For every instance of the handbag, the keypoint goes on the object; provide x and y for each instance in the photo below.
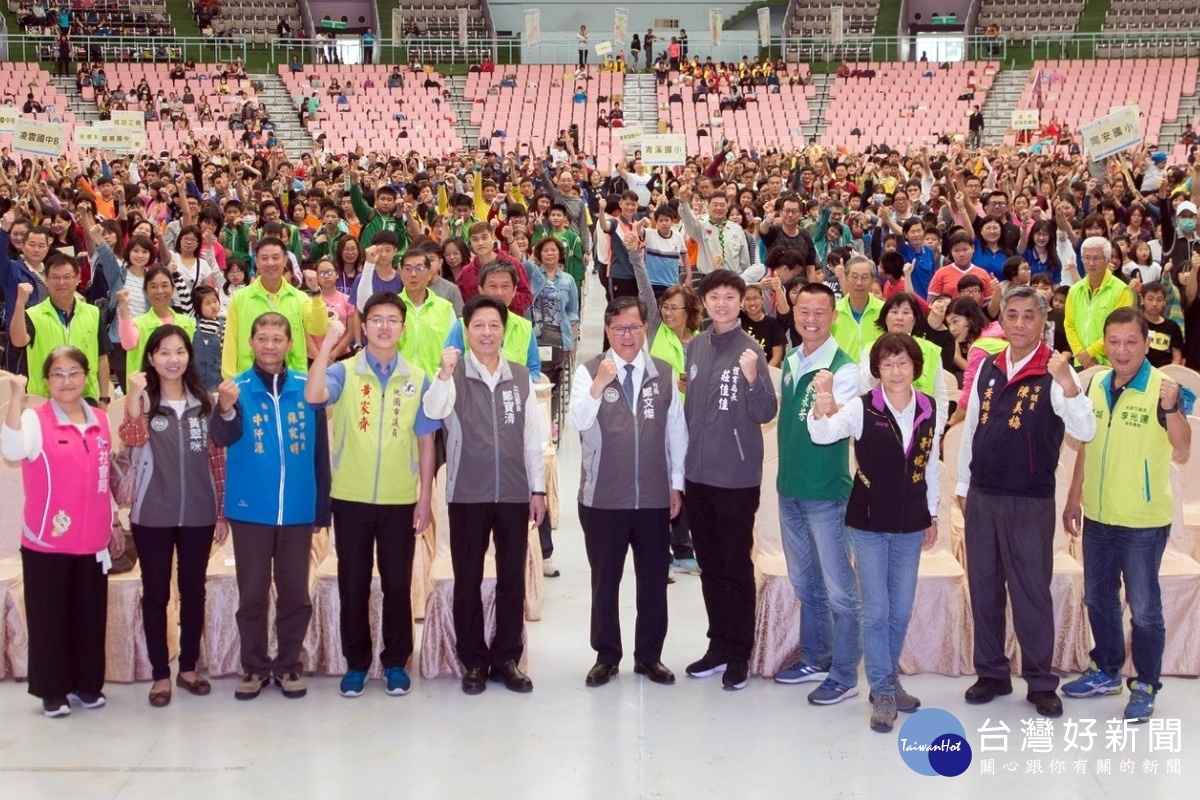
(121, 477)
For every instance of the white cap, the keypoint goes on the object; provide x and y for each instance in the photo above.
(1186, 205)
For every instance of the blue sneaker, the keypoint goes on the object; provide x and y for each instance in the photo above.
(354, 683)
(1092, 682)
(1141, 702)
(397, 681)
(800, 672)
(831, 692)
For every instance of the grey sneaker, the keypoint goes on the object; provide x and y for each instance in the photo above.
(292, 684)
(883, 713)
(831, 692)
(250, 686)
(904, 701)
(800, 672)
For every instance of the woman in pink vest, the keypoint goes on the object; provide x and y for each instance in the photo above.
(68, 537)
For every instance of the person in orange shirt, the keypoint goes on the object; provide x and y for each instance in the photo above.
(103, 195)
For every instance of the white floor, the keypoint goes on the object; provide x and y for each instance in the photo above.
(630, 739)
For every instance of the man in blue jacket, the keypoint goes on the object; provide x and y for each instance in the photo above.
(277, 494)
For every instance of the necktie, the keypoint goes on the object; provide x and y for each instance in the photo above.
(627, 384)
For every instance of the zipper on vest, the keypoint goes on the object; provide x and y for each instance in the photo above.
(737, 438)
(1104, 463)
(182, 484)
(282, 450)
(637, 455)
(379, 441)
(496, 445)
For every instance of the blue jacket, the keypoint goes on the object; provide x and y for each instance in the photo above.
(282, 476)
(12, 273)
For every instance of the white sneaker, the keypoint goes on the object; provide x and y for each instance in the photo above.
(549, 569)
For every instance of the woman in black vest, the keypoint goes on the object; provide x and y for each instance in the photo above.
(892, 510)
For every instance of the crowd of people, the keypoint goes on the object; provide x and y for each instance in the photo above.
(240, 299)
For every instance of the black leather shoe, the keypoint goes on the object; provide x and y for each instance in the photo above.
(514, 680)
(599, 674)
(474, 681)
(985, 690)
(1048, 703)
(656, 671)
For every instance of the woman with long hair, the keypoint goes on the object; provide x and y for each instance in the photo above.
(455, 256)
(178, 494)
(349, 257)
(188, 268)
(136, 331)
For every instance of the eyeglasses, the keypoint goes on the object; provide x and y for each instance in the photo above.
(326, 273)
(73, 375)
(385, 322)
(672, 308)
(414, 270)
(626, 330)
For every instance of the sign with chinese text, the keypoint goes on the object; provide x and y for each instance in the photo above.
(1111, 134)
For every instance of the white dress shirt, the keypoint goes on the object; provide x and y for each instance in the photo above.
(845, 380)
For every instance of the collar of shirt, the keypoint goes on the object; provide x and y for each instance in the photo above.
(639, 367)
(382, 371)
(492, 379)
(820, 358)
(1013, 369)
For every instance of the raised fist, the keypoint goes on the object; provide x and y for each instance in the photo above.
(449, 363)
(227, 396)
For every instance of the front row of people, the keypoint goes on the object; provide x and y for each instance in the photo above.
(647, 452)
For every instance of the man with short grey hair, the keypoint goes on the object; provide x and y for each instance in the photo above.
(1091, 300)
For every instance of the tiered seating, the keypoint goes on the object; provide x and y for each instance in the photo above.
(542, 105)
(1159, 16)
(899, 105)
(257, 20)
(101, 18)
(371, 120)
(772, 118)
(811, 17)
(440, 20)
(1079, 91)
(1020, 19)
(19, 79)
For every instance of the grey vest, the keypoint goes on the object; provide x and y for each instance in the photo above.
(172, 475)
(624, 463)
(485, 437)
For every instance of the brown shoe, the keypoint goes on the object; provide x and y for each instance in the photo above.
(160, 698)
(199, 687)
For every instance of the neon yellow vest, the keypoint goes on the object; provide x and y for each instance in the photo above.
(82, 332)
(425, 331)
(854, 337)
(518, 332)
(1088, 310)
(374, 448)
(254, 301)
(147, 324)
(1127, 472)
(930, 369)
(670, 349)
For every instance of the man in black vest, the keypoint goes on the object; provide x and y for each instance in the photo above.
(627, 410)
(1024, 399)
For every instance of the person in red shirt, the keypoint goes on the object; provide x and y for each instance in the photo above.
(483, 245)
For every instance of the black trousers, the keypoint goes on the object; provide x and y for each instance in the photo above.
(608, 534)
(365, 530)
(66, 610)
(722, 522)
(267, 554)
(1010, 544)
(157, 548)
(681, 537)
(472, 525)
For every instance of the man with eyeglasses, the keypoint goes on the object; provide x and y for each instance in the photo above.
(787, 232)
(627, 410)
(428, 318)
(61, 319)
(995, 204)
(382, 483)
(854, 328)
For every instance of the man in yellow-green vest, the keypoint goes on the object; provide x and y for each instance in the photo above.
(1121, 493)
(1090, 301)
(428, 319)
(499, 280)
(854, 329)
(383, 463)
(270, 292)
(60, 319)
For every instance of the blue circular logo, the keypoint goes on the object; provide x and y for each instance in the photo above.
(933, 742)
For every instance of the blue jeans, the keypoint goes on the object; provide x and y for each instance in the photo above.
(817, 551)
(1112, 553)
(887, 577)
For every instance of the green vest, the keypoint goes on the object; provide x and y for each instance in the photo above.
(375, 454)
(254, 301)
(147, 324)
(83, 331)
(1127, 471)
(809, 471)
(854, 337)
(425, 331)
(931, 367)
(668, 347)
(518, 332)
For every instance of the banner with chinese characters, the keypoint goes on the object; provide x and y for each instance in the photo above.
(463, 14)
(107, 136)
(629, 137)
(716, 20)
(664, 150)
(533, 26)
(39, 138)
(764, 26)
(1112, 134)
(604, 48)
(620, 27)
(129, 119)
(8, 118)
(1025, 119)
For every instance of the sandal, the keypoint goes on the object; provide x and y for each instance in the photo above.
(161, 697)
(199, 687)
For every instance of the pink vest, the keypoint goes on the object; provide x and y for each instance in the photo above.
(68, 502)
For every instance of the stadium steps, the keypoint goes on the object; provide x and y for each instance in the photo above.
(1001, 101)
(818, 106)
(282, 111)
(467, 131)
(641, 101)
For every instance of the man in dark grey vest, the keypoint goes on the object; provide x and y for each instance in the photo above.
(487, 404)
(627, 410)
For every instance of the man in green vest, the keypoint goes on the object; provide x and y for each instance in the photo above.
(428, 318)
(270, 292)
(855, 329)
(499, 280)
(814, 486)
(383, 463)
(1121, 493)
(1090, 301)
(62, 318)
